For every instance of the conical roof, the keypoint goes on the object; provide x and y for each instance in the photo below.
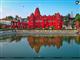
(37, 12)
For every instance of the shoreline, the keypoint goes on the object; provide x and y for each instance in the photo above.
(48, 32)
(9, 32)
(41, 32)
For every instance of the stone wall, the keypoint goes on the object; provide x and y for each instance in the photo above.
(67, 32)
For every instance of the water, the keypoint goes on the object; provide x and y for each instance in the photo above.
(39, 46)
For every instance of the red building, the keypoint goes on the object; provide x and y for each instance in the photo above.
(19, 25)
(36, 20)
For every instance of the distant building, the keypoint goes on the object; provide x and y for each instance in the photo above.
(4, 21)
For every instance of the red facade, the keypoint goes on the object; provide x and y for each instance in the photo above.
(36, 20)
(19, 25)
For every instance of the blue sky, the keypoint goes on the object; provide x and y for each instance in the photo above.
(24, 8)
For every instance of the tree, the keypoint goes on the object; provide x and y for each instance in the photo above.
(77, 17)
(17, 17)
(73, 23)
(9, 18)
(66, 19)
(69, 21)
(77, 21)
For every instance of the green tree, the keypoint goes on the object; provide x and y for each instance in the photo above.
(16, 17)
(9, 18)
(77, 17)
(77, 21)
(73, 23)
(66, 19)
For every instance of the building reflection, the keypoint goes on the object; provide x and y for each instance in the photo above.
(37, 42)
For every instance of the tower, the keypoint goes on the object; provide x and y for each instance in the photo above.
(37, 12)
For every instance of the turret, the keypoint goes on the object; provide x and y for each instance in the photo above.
(37, 12)
(32, 17)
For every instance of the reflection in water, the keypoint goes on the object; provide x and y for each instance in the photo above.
(10, 38)
(36, 42)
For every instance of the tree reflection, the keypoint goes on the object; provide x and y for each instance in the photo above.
(10, 38)
(77, 39)
(16, 38)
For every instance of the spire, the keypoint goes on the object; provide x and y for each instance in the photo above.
(37, 12)
(32, 16)
(37, 48)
